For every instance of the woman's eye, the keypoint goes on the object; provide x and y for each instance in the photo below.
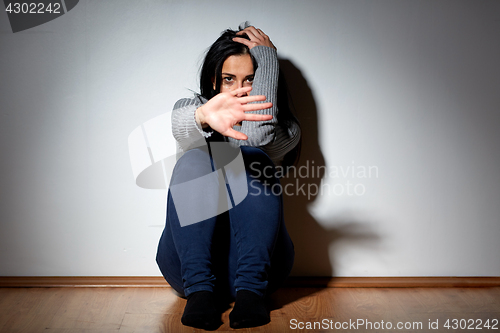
(228, 79)
(248, 82)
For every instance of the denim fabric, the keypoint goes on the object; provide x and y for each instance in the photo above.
(247, 247)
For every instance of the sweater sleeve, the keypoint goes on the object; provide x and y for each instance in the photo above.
(265, 83)
(274, 138)
(285, 140)
(185, 129)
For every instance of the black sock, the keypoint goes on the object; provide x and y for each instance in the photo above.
(249, 310)
(201, 311)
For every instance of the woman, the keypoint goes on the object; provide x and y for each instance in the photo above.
(243, 252)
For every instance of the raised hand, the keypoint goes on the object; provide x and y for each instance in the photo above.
(257, 37)
(226, 109)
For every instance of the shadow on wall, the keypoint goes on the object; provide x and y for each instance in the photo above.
(312, 240)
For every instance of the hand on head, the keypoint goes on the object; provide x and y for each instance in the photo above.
(257, 37)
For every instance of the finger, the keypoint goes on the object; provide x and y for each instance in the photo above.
(250, 99)
(235, 134)
(257, 107)
(244, 31)
(240, 90)
(258, 117)
(252, 30)
(262, 33)
(244, 41)
(252, 33)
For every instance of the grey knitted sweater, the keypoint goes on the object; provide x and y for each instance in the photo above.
(274, 138)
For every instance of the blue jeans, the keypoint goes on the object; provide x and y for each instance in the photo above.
(246, 247)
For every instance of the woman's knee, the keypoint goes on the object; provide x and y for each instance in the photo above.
(192, 164)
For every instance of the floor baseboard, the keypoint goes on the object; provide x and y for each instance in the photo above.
(395, 282)
(304, 282)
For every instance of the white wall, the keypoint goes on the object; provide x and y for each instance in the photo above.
(410, 89)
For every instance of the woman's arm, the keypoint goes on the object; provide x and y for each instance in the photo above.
(184, 126)
(274, 138)
(193, 119)
(265, 83)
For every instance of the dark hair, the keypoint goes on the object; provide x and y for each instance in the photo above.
(221, 49)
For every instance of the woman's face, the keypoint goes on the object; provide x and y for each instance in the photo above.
(237, 72)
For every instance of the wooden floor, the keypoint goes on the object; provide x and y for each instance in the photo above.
(73, 310)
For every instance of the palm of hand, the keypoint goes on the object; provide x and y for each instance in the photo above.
(226, 109)
(223, 112)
